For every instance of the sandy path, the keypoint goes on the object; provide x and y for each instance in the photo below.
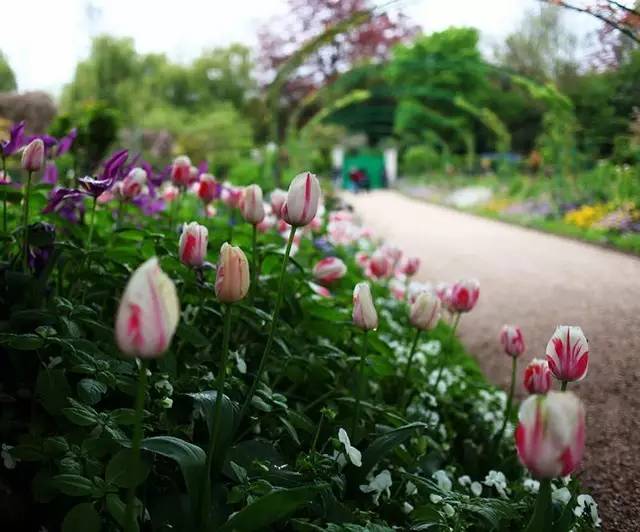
(538, 281)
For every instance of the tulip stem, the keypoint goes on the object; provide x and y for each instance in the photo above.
(4, 194)
(563, 386)
(93, 223)
(359, 389)
(130, 518)
(452, 334)
(317, 435)
(254, 262)
(272, 329)
(217, 413)
(507, 410)
(541, 518)
(25, 222)
(410, 360)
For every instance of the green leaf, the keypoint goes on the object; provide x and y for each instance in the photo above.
(52, 390)
(79, 414)
(270, 509)
(289, 428)
(91, 391)
(81, 518)
(116, 508)
(125, 472)
(72, 485)
(189, 457)
(192, 335)
(384, 444)
(22, 342)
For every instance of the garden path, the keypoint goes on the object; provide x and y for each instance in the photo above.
(539, 280)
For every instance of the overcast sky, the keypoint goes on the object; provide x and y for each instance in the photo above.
(44, 39)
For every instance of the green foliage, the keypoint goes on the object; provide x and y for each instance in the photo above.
(7, 77)
(418, 160)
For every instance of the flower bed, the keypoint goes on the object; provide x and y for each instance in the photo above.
(146, 388)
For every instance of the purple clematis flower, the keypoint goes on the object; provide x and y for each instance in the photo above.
(50, 175)
(149, 205)
(96, 186)
(15, 142)
(65, 143)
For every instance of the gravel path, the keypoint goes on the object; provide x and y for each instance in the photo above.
(538, 281)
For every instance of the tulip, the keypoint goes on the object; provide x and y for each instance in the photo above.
(267, 223)
(134, 184)
(537, 377)
(231, 196)
(550, 442)
(568, 354)
(425, 311)
(379, 266)
(193, 244)
(512, 340)
(398, 289)
(148, 312)
(320, 290)
(464, 295)
(550, 434)
(393, 253)
(181, 171)
(302, 200)
(329, 269)
(232, 276)
(362, 258)
(33, 156)
(251, 206)
(410, 266)
(364, 312)
(208, 188)
(278, 197)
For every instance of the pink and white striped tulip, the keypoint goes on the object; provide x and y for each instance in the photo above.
(267, 223)
(398, 289)
(208, 188)
(251, 206)
(302, 200)
(148, 313)
(181, 171)
(550, 434)
(410, 266)
(134, 184)
(320, 290)
(464, 295)
(232, 275)
(33, 156)
(393, 253)
(170, 192)
(568, 353)
(537, 376)
(379, 266)
(231, 196)
(364, 311)
(425, 311)
(193, 244)
(329, 269)
(512, 340)
(362, 258)
(277, 198)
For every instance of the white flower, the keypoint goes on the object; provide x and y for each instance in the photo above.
(9, 461)
(435, 499)
(448, 510)
(562, 495)
(587, 500)
(241, 365)
(164, 387)
(410, 488)
(476, 488)
(355, 457)
(432, 347)
(464, 480)
(166, 402)
(531, 485)
(407, 508)
(378, 485)
(53, 362)
(443, 480)
(497, 480)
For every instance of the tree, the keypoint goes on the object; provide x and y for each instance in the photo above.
(7, 77)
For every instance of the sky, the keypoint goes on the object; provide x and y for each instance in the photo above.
(44, 40)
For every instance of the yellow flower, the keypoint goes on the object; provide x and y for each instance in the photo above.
(587, 215)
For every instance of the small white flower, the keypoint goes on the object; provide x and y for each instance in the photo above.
(355, 457)
(584, 501)
(476, 488)
(166, 402)
(241, 365)
(432, 347)
(410, 488)
(448, 510)
(407, 508)
(464, 480)
(378, 485)
(164, 387)
(531, 485)
(9, 461)
(497, 480)
(435, 499)
(566, 480)
(443, 480)
(562, 495)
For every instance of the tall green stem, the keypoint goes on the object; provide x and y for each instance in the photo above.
(217, 414)
(93, 223)
(25, 223)
(541, 519)
(410, 360)
(359, 389)
(507, 410)
(563, 386)
(130, 518)
(452, 335)
(272, 329)
(254, 262)
(4, 195)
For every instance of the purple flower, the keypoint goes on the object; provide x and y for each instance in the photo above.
(96, 186)
(65, 143)
(15, 142)
(50, 175)
(149, 205)
(44, 235)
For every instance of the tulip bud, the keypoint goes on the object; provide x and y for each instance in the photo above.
(537, 376)
(364, 312)
(425, 311)
(208, 188)
(320, 290)
(278, 197)
(181, 171)
(379, 266)
(232, 277)
(393, 253)
(33, 156)
(148, 313)
(512, 340)
(550, 434)
(329, 269)
(133, 185)
(568, 353)
(464, 295)
(193, 244)
(267, 223)
(301, 204)
(170, 192)
(410, 266)
(251, 206)
(231, 196)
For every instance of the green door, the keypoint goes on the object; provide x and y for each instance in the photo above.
(372, 164)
